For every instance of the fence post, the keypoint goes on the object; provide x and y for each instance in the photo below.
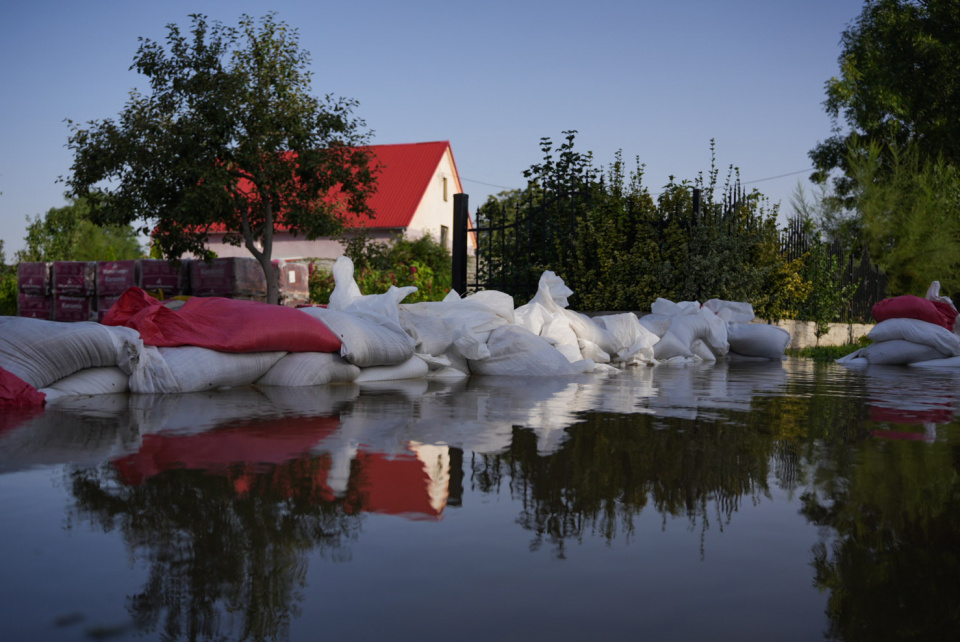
(696, 203)
(460, 216)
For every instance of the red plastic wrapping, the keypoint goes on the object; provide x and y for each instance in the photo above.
(909, 306)
(17, 393)
(227, 325)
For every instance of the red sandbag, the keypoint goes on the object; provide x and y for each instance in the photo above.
(226, 325)
(17, 393)
(909, 306)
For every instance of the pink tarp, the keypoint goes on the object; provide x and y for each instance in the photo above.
(226, 325)
(909, 306)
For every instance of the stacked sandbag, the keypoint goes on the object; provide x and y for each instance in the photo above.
(911, 330)
(687, 331)
(748, 340)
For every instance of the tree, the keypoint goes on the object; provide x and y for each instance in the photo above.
(8, 285)
(910, 208)
(227, 136)
(897, 85)
(67, 234)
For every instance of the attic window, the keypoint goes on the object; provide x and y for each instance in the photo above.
(444, 179)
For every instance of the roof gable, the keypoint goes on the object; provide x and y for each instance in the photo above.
(407, 170)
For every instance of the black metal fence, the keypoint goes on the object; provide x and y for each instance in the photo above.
(503, 237)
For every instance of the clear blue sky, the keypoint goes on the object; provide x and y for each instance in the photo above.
(657, 79)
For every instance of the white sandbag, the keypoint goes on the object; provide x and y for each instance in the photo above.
(195, 369)
(515, 351)
(41, 352)
(590, 330)
(309, 369)
(471, 319)
(379, 308)
(551, 296)
(731, 311)
(345, 289)
(917, 331)
(89, 381)
(758, 340)
(946, 363)
(853, 360)
(667, 308)
(593, 352)
(655, 324)
(366, 342)
(432, 335)
(559, 333)
(500, 303)
(413, 368)
(685, 329)
(633, 343)
(898, 352)
(933, 294)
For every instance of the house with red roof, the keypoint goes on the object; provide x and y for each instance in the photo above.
(414, 197)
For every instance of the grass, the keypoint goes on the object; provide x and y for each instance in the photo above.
(829, 353)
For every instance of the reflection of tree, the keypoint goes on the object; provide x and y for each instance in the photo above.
(611, 466)
(893, 564)
(227, 551)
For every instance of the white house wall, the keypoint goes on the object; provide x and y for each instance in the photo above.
(434, 211)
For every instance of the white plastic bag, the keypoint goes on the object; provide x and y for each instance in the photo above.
(41, 352)
(365, 341)
(917, 331)
(758, 340)
(309, 369)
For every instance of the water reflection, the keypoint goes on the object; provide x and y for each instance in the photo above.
(228, 495)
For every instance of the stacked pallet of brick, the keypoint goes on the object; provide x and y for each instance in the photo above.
(294, 282)
(113, 279)
(74, 290)
(232, 278)
(161, 278)
(34, 298)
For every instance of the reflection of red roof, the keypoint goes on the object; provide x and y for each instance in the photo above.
(394, 486)
(406, 170)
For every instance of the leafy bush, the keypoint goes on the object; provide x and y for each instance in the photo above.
(422, 262)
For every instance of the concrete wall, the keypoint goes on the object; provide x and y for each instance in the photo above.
(803, 333)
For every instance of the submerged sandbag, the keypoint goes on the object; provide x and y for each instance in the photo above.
(898, 352)
(757, 340)
(87, 382)
(917, 331)
(194, 369)
(515, 351)
(299, 369)
(41, 352)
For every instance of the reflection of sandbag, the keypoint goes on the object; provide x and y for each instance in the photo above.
(309, 369)
(42, 352)
(365, 342)
(90, 381)
(757, 340)
(195, 369)
(413, 368)
(917, 331)
(897, 352)
(517, 351)
(947, 363)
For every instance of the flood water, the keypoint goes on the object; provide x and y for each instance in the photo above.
(775, 501)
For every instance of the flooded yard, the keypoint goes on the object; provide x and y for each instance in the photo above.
(736, 501)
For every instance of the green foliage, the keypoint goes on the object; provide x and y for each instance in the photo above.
(619, 249)
(897, 85)
(910, 208)
(228, 135)
(8, 286)
(422, 262)
(67, 234)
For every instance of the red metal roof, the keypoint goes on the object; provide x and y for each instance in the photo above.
(406, 172)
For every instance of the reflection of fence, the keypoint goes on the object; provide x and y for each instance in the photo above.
(871, 282)
(508, 235)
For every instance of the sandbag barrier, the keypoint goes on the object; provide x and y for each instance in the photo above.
(911, 331)
(144, 346)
